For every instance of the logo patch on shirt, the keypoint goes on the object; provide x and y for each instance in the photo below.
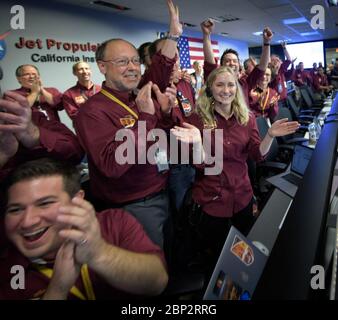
(80, 99)
(128, 121)
(274, 99)
(210, 126)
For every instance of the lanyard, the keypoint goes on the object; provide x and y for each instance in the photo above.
(266, 101)
(74, 290)
(123, 105)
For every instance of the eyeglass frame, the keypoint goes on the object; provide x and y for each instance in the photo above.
(126, 61)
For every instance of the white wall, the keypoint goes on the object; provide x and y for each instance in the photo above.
(67, 23)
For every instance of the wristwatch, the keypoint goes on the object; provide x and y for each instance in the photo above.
(174, 38)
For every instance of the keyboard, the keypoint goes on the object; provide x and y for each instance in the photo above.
(292, 179)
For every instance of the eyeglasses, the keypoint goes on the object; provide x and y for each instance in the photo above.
(123, 62)
(26, 75)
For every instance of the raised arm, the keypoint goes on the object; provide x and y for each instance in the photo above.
(286, 52)
(169, 48)
(265, 57)
(207, 29)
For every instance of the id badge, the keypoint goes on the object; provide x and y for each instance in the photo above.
(161, 159)
(186, 106)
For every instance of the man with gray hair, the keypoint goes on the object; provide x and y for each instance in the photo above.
(46, 100)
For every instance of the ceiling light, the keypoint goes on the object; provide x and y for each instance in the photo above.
(306, 34)
(295, 20)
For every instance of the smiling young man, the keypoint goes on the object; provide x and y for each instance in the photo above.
(65, 248)
(76, 96)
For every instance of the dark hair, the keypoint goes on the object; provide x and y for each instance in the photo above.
(19, 69)
(141, 50)
(246, 64)
(153, 47)
(46, 167)
(229, 51)
(100, 51)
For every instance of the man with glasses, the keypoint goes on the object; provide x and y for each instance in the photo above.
(77, 95)
(46, 100)
(135, 185)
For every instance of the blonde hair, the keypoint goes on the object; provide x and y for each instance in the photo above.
(206, 103)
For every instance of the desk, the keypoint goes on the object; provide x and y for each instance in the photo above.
(268, 224)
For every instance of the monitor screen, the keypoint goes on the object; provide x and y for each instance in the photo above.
(301, 159)
(308, 53)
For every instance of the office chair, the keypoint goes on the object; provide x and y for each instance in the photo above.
(302, 116)
(297, 137)
(307, 102)
(312, 95)
(276, 161)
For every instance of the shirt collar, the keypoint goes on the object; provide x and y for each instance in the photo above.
(23, 89)
(82, 87)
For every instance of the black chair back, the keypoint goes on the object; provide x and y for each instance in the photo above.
(263, 128)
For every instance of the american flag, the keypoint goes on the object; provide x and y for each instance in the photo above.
(191, 49)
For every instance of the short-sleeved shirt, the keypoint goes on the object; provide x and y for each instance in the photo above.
(118, 228)
(51, 111)
(225, 194)
(76, 96)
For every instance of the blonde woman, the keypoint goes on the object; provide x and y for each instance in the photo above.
(225, 199)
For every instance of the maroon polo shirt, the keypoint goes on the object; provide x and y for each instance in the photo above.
(263, 104)
(97, 123)
(118, 228)
(318, 81)
(159, 71)
(279, 84)
(247, 83)
(301, 78)
(227, 193)
(50, 110)
(76, 96)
